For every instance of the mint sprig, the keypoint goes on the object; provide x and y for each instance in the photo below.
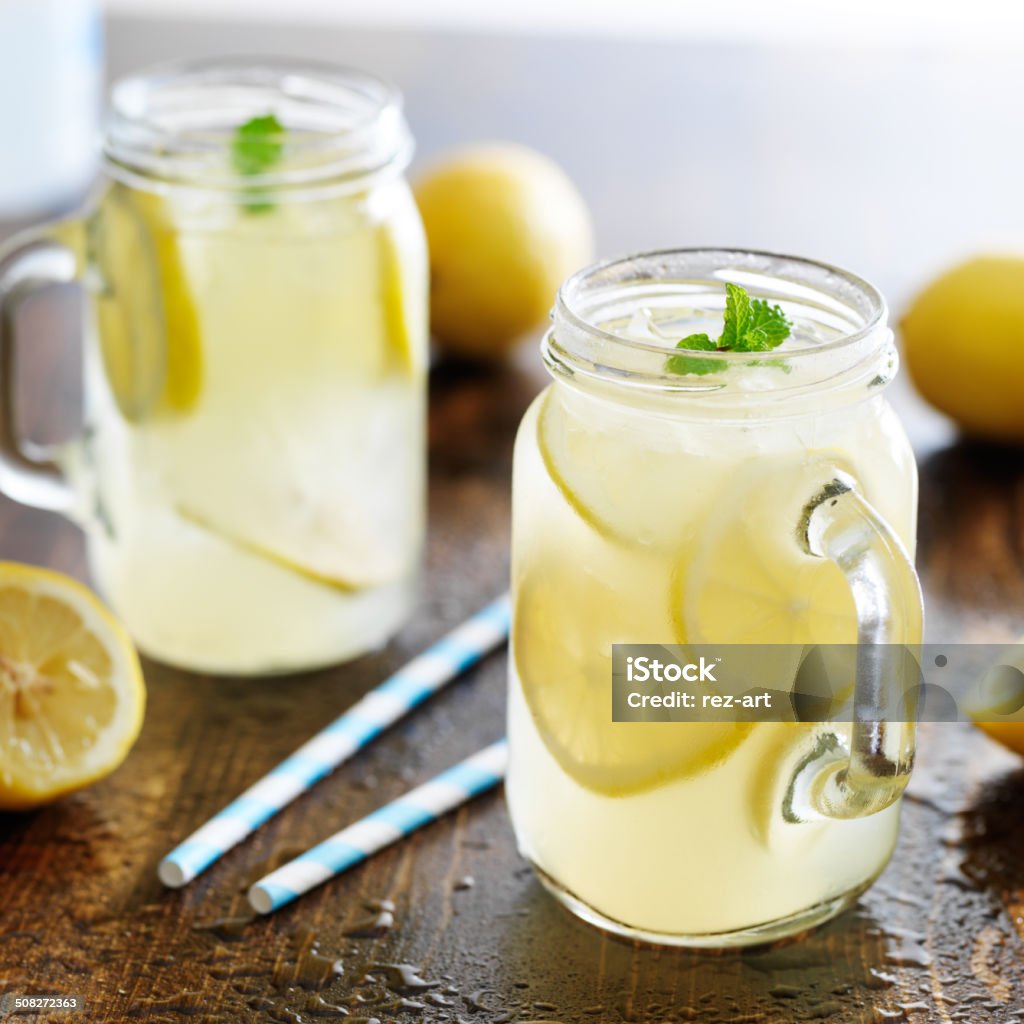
(691, 364)
(751, 325)
(257, 146)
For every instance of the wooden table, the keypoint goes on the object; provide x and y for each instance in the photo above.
(939, 937)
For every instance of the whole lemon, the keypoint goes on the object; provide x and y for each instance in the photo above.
(997, 701)
(963, 340)
(1009, 734)
(505, 226)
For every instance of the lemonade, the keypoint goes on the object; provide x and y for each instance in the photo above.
(260, 483)
(251, 477)
(654, 507)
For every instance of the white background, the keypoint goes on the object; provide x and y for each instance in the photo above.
(963, 22)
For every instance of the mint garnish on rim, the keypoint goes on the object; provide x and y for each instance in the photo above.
(256, 147)
(751, 325)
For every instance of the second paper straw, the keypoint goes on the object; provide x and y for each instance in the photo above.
(354, 844)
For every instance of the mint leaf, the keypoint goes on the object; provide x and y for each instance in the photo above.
(750, 325)
(257, 145)
(697, 342)
(690, 364)
(256, 148)
(737, 314)
(767, 327)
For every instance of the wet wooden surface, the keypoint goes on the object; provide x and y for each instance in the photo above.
(939, 938)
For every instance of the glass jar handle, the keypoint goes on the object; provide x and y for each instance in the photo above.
(840, 525)
(27, 475)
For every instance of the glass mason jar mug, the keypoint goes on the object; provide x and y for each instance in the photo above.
(251, 475)
(764, 500)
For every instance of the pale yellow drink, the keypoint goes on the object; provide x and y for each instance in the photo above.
(660, 516)
(260, 479)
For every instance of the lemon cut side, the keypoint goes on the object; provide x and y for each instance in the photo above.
(72, 696)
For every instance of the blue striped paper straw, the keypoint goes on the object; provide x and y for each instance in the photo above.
(350, 732)
(393, 821)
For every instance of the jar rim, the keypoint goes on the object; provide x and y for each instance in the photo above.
(570, 288)
(169, 126)
(577, 345)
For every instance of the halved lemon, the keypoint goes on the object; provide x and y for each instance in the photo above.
(72, 696)
(566, 619)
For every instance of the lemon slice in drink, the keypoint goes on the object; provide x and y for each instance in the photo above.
(362, 565)
(750, 581)
(565, 623)
(629, 493)
(299, 454)
(146, 315)
(751, 586)
(404, 293)
(184, 360)
(128, 305)
(71, 691)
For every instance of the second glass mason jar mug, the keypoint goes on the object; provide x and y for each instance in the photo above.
(251, 477)
(765, 500)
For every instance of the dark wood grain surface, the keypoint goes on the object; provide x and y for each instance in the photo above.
(939, 938)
